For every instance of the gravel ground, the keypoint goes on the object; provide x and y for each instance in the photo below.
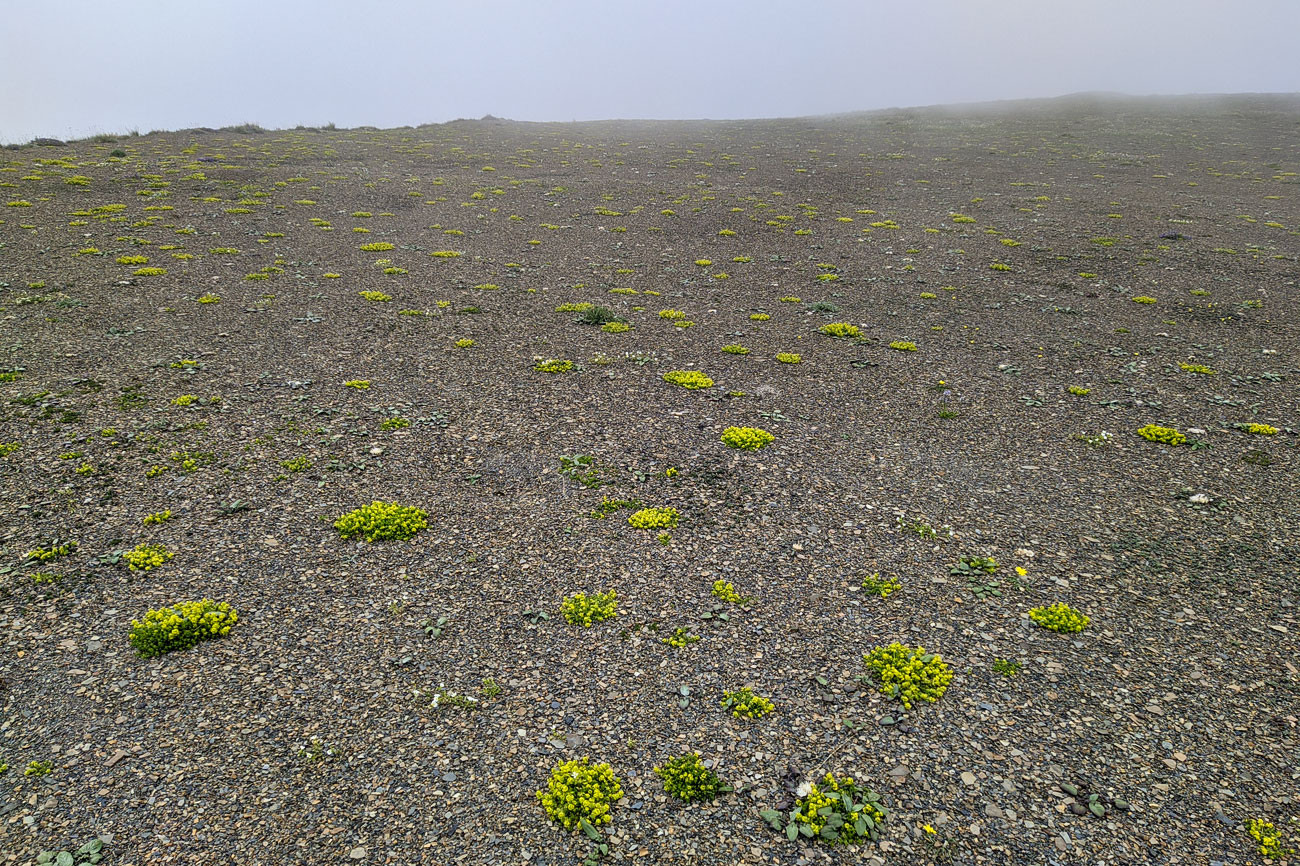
(308, 735)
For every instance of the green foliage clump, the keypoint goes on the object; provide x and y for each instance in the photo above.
(1197, 368)
(841, 329)
(596, 315)
(835, 812)
(654, 518)
(87, 855)
(181, 626)
(145, 557)
(7, 448)
(1059, 617)
(909, 673)
(745, 703)
(686, 778)
(680, 638)
(582, 609)
(1007, 667)
(54, 551)
(39, 768)
(579, 793)
(395, 423)
(382, 521)
(747, 438)
(296, 464)
(972, 565)
(1166, 435)
(883, 587)
(553, 365)
(692, 380)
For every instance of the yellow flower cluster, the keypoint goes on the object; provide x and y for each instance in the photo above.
(147, 556)
(553, 365)
(1197, 368)
(616, 327)
(686, 778)
(692, 380)
(1059, 617)
(377, 247)
(578, 792)
(380, 521)
(909, 673)
(582, 609)
(834, 812)
(181, 626)
(1261, 429)
(746, 438)
(788, 358)
(873, 584)
(654, 518)
(841, 329)
(735, 349)
(724, 590)
(744, 703)
(1269, 839)
(671, 314)
(157, 517)
(1143, 299)
(375, 296)
(903, 345)
(1156, 433)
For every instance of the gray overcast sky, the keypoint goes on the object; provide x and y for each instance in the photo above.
(85, 66)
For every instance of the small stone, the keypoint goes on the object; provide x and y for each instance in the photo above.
(357, 853)
(449, 777)
(968, 777)
(992, 811)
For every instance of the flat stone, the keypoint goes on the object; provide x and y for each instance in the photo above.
(357, 853)
(992, 811)
(968, 777)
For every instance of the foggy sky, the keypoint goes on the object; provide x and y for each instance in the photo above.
(80, 67)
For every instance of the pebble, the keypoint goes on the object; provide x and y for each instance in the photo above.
(357, 853)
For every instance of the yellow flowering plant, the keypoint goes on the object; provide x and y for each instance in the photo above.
(746, 438)
(909, 673)
(582, 609)
(687, 778)
(578, 793)
(835, 811)
(747, 704)
(655, 518)
(382, 521)
(145, 557)
(692, 380)
(1059, 617)
(1164, 435)
(181, 626)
